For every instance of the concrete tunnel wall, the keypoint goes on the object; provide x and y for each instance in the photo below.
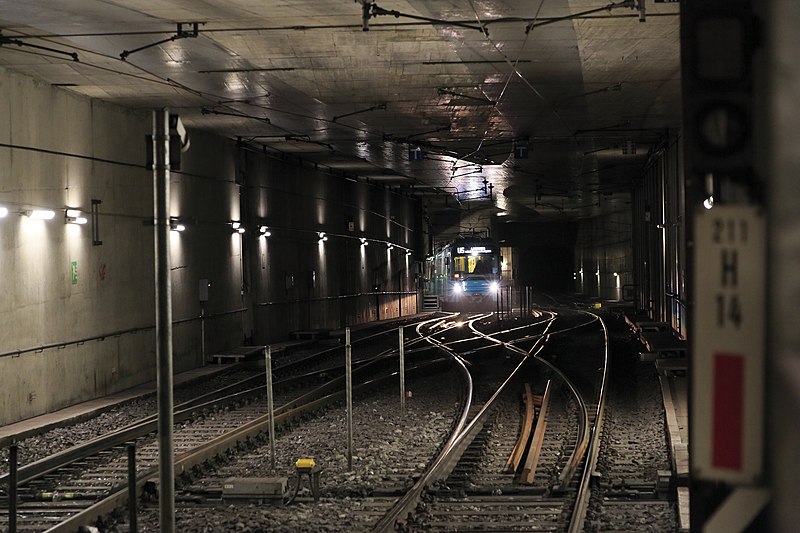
(59, 150)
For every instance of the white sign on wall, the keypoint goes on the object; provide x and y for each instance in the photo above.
(726, 436)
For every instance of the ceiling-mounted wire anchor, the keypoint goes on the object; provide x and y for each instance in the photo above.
(18, 42)
(180, 34)
(370, 9)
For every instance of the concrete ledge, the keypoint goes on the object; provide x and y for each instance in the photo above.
(235, 355)
(683, 509)
(674, 411)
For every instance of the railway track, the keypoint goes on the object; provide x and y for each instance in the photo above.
(464, 484)
(452, 496)
(80, 483)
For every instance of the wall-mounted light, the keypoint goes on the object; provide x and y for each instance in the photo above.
(237, 227)
(40, 214)
(616, 275)
(264, 230)
(3, 212)
(74, 216)
(176, 225)
(408, 252)
(389, 246)
(322, 236)
(364, 241)
(708, 203)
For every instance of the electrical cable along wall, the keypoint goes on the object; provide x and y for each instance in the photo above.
(77, 320)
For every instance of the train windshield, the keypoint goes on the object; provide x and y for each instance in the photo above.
(478, 264)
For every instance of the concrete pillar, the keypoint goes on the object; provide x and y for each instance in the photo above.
(782, 152)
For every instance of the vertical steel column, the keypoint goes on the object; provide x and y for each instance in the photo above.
(166, 474)
(12, 488)
(270, 406)
(348, 363)
(203, 334)
(402, 345)
(133, 525)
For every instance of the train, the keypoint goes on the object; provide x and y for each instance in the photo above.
(465, 274)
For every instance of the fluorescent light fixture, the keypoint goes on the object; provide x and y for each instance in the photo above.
(40, 214)
(3, 212)
(75, 216)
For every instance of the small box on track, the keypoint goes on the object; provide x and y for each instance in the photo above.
(254, 489)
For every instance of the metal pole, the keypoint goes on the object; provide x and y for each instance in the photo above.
(270, 406)
(166, 472)
(348, 363)
(12, 488)
(203, 333)
(402, 371)
(132, 500)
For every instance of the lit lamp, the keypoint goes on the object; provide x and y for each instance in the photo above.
(3, 212)
(322, 236)
(264, 230)
(74, 216)
(237, 226)
(40, 214)
(176, 225)
(364, 241)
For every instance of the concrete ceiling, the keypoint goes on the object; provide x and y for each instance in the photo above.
(589, 91)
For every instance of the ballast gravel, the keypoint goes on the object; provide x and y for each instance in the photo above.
(387, 447)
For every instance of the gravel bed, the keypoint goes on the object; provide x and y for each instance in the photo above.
(385, 443)
(57, 439)
(633, 449)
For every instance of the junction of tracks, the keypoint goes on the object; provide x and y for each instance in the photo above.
(549, 421)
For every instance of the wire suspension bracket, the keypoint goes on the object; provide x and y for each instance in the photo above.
(192, 32)
(18, 42)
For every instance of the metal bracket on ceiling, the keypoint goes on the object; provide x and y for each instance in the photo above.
(371, 10)
(192, 32)
(18, 42)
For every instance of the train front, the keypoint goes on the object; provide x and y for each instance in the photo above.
(475, 275)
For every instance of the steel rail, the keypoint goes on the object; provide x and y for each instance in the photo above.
(584, 491)
(184, 412)
(148, 424)
(459, 439)
(184, 462)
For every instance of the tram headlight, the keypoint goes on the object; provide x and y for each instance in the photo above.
(494, 287)
(458, 287)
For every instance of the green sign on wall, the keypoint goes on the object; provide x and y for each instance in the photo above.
(74, 270)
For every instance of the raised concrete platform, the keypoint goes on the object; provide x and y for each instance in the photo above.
(672, 374)
(663, 343)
